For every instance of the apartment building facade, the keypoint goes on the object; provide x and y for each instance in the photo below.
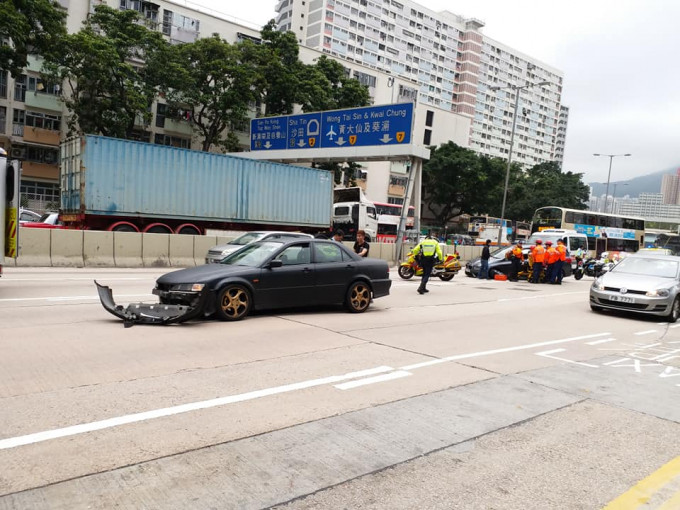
(670, 188)
(453, 64)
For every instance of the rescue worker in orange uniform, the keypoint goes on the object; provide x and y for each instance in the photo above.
(516, 258)
(551, 256)
(538, 254)
(557, 271)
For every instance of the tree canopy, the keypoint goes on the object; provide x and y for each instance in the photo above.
(114, 67)
(34, 26)
(459, 181)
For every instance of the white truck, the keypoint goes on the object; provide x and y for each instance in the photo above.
(352, 211)
(9, 208)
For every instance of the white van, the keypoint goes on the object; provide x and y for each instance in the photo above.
(573, 240)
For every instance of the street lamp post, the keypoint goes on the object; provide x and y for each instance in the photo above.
(611, 158)
(517, 89)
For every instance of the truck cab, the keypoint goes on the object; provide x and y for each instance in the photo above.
(352, 211)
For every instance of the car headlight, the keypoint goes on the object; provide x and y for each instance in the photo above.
(188, 287)
(598, 285)
(658, 293)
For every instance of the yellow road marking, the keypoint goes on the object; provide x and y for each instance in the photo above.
(645, 489)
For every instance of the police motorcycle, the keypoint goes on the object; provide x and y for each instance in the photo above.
(577, 267)
(444, 270)
(597, 266)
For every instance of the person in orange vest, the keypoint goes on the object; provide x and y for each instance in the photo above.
(557, 271)
(551, 256)
(538, 254)
(516, 258)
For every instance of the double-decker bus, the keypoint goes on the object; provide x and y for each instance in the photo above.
(481, 228)
(605, 232)
(388, 220)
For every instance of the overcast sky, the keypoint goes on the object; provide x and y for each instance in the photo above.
(621, 65)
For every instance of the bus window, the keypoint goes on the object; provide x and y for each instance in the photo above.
(578, 242)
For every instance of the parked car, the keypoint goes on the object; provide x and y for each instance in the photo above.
(47, 220)
(217, 253)
(461, 239)
(26, 216)
(499, 264)
(274, 273)
(642, 283)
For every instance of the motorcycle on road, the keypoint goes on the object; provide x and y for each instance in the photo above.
(444, 270)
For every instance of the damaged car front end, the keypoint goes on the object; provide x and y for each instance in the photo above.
(176, 305)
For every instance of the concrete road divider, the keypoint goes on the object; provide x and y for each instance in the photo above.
(203, 243)
(127, 249)
(156, 250)
(181, 251)
(66, 248)
(34, 248)
(98, 249)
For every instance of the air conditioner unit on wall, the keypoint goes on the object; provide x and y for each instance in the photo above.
(18, 152)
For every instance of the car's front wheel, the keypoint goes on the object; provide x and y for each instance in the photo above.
(358, 297)
(674, 314)
(233, 302)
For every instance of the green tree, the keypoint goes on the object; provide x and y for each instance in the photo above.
(326, 86)
(114, 67)
(35, 26)
(280, 69)
(458, 181)
(215, 80)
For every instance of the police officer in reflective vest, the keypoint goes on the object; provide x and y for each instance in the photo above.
(429, 251)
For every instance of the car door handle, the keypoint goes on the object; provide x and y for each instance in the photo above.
(349, 266)
(306, 270)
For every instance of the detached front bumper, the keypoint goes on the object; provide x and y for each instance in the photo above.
(146, 313)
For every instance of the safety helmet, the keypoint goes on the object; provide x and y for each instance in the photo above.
(548, 243)
(538, 241)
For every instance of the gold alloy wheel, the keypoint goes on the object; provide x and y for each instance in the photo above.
(234, 303)
(358, 297)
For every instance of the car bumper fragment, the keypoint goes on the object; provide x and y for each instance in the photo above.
(146, 313)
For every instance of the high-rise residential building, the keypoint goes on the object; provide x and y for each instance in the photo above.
(451, 62)
(670, 188)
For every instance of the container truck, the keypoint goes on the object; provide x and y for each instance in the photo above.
(10, 172)
(123, 185)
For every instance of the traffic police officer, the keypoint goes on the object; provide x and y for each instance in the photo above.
(429, 251)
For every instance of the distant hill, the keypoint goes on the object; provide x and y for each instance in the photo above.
(650, 183)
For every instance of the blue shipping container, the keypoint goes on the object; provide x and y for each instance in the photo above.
(108, 176)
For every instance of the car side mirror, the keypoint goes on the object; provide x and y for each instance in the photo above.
(275, 263)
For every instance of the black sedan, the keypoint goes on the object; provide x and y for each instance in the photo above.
(500, 264)
(263, 275)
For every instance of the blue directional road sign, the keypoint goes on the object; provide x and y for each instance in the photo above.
(354, 127)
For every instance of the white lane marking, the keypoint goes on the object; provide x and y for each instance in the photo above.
(371, 380)
(674, 326)
(69, 298)
(499, 351)
(549, 354)
(538, 296)
(647, 332)
(38, 437)
(603, 341)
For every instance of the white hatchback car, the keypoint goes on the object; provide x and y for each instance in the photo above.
(217, 253)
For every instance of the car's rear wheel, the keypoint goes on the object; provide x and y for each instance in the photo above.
(406, 272)
(674, 314)
(233, 303)
(446, 276)
(358, 297)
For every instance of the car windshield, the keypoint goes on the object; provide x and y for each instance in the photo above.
(647, 267)
(499, 253)
(253, 255)
(246, 238)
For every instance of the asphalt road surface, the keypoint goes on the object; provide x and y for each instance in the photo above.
(479, 395)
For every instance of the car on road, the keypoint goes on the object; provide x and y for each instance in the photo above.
(47, 220)
(499, 264)
(269, 274)
(642, 283)
(27, 216)
(217, 253)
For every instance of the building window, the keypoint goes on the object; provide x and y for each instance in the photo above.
(3, 84)
(36, 84)
(43, 121)
(3, 119)
(429, 117)
(20, 88)
(161, 113)
(173, 141)
(427, 137)
(395, 200)
(365, 79)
